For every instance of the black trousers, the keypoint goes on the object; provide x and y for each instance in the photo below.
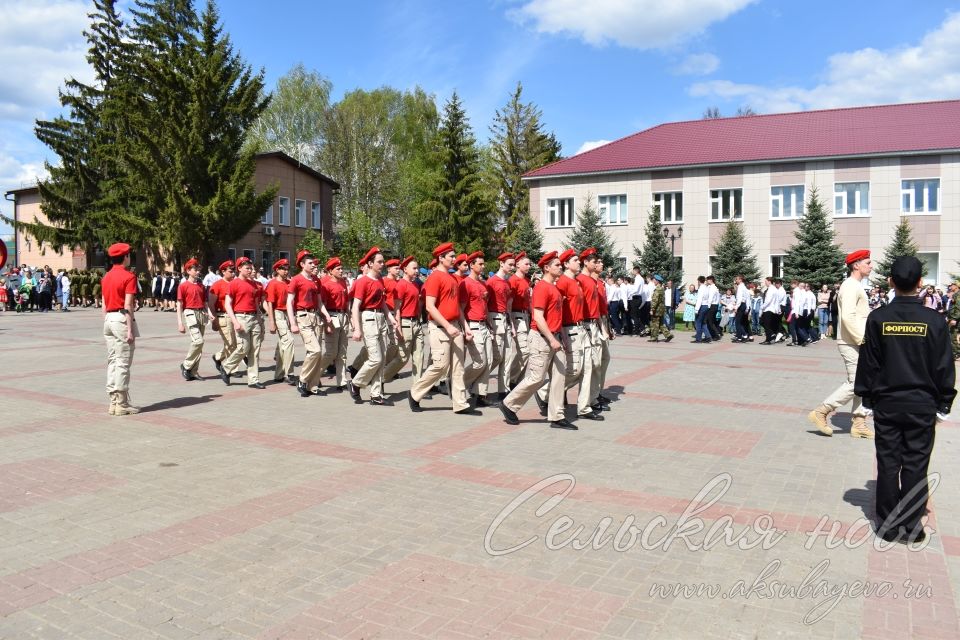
(645, 315)
(770, 322)
(904, 441)
(712, 325)
(616, 307)
(742, 321)
(633, 315)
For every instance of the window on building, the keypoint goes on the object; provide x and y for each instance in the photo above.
(266, 261)
(920, 196)
(776, 266)
(250, 253)
(315, 215)
(560, 212)
(623, 263)
(931, 261)
(232, 253)
(726, 204)
(268, 215)
(851, 198)
(613, 209)
(300, 213)
(671, 206)
(283, 254)
(712, 260)
(786, 202)
(285, 211)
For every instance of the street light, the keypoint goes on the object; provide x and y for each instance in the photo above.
(672, 238)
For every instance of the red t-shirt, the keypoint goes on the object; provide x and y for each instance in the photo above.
(572, 299)
(245, 295)
(591, 297)
(602, 293)
(407, 295)
(276, 294)
(369, 292)
(444, 287)
(389, 286)
(191, 295)
(547, 296)
(499, 293)
(115, 285)
(473, 299)
(333, 292)
(304, 290)
(219, 289)
(521, 293)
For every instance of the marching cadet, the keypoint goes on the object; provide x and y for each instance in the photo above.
(607, 335)
(244, 305)
(304, 312)
(390, 277)
(589, 382)
(518, 349)
(279, 323)
(657, 309)
(407, 315)
(333, 294)
(547, 358)
(461, 266)
(361, 356)
(446, 341)
(371, 322)
(119, 292)
(473, 301)
(905, 373)
(220, 322)
(499, 295)
(192, 314)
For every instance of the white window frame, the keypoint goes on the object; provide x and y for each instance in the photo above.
(552, 213)
(300, 213)
(674, 218)
(604, 209)
(926, 198)
(719, 202)
(934, 275)
(284, 207)
(268, 215)
(798, 211)
(860, 211)
(773, 272)
(316, 217)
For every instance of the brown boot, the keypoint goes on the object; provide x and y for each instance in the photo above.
(860, 428)
(113, 403)
(819, 417)
(124, 408)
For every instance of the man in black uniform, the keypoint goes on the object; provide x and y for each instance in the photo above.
(906, 375)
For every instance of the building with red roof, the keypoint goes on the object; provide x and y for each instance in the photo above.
(871, 166)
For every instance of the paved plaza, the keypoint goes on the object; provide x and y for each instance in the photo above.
(227, 512)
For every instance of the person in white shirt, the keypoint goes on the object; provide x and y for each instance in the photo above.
(714, 302)
(702, 307)
(742, 316)
(632, 300)
(646, 294)
(795, 320)
(211, 277)
(64, 291)
(813, 331)
(615, 303)
(770, 312)
(669, 300)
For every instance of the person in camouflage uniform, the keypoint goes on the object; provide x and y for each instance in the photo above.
(953, 315)
(657, 310)
(95, 277)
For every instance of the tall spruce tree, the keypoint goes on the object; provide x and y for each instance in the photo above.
(901, 245)
(590, 233)
(734, 256)
(527, 237)
(814, 258)
(655, 257)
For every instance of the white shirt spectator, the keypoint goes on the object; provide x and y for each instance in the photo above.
(613, 293)
(771, 300)
(65, 283)
(714, 294)
(668, 293)
(647, 294)
(701, 297)
(742, 294)
(211, 278)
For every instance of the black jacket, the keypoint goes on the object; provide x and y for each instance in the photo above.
(906, 359)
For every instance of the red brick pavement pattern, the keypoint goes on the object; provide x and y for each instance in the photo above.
(685, 439)
(709, 402)
(55, 578)
(424, 596)
(30, 482)
(462, 441)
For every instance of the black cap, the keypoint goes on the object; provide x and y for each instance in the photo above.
(905, 272)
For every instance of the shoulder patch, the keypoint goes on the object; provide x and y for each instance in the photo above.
(918, 329)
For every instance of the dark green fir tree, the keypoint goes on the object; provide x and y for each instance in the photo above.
(527, 237)
(901, 245)
(655, 257)
(590, 233)
(733, 255)
(815, 257)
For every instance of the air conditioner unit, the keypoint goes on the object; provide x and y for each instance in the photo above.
(269, 231)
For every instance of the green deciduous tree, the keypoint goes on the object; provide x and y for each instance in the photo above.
(901, 245)
(655, 257)
(590, 233)
(313, 242)
(814, 258)
(733, 256)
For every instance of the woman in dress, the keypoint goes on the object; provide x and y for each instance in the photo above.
(690, 301)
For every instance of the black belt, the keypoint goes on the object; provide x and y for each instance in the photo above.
(114, 310)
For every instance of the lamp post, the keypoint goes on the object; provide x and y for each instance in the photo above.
(673, 241)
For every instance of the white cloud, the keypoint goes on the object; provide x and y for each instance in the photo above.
(929, 70)
(638, 24)
(16, 173)
(41, 44)
(591, 144)
(698, 64)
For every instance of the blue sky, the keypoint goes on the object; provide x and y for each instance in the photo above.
(599, 70)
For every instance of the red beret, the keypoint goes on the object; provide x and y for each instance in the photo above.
(368, 256)
(281, 263)
(446, 247)
(192, 262)
(392, 262)
(406, 261)
(473, 256)
(505, 256)
(118, 249)
(861, 254)
(546, 259)
(226, 264)
(586, 253)
(333, 263)
(461, 257)
(566, 255)
(302, 254)
(433, 264)
(522, 254)
(242, 260)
